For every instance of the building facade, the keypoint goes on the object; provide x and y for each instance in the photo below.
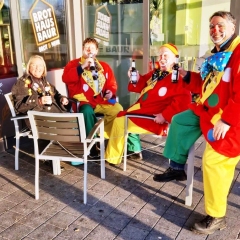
(126, 30)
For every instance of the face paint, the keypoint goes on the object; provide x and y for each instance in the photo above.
(220, 29)
(165, 59)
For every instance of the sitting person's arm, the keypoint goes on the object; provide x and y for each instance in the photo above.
(24, 98)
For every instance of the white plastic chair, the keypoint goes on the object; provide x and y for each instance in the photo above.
(190, 161)
(18, 131)
(68, 141)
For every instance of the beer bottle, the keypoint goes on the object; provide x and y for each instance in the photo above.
(92, 65)
(156, 71)
(133, 77)
(47, 93)
(175, 70)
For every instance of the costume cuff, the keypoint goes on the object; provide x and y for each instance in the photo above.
(186, 78)
(225, 122)
(79, 69)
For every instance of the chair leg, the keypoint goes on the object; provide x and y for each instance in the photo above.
(102, 148)
(125, 145)
(85, 181)
(17, 153)
(190, 173)
(56, 167)
(36, 178)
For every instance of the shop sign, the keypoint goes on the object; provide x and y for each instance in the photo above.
(121, 49)
(102, 24)
(44, 25)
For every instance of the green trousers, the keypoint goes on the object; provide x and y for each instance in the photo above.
(133, 143)
(183, 133)
(89, 117)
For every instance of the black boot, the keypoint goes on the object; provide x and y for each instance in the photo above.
(209, 225)
(170, 174)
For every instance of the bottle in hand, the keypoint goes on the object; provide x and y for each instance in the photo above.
(175, 70)
(133, 77)
(92, 65)
(47, 93)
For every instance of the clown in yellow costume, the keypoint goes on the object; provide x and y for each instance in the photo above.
(159, 97)
(93, 83)
(216, 115)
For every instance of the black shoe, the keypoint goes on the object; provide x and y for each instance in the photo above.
(209, 225)
(94, 152)
(170, 174)
(134, 156)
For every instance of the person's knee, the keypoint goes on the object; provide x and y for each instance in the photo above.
(86, 109)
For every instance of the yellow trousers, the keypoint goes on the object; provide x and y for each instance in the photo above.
(218, 173)
(115, 147)
(110, 112)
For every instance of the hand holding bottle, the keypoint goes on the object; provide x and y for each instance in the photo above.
(89, 62)
(175, 70)
(47, 98)
(133, 73)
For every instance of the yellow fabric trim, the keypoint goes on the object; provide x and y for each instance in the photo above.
(211, 86)
(150, 85)
(80, 97)
(87, 76)
(134, 107)
(216, 117)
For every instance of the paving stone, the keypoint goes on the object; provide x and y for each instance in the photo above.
(45, 231)
(164, 234)
(61, 220)
(143, 221)
(35, 219)
(132, 233)
(129, 207)
(74, 232)
(89, 220)
(18, 196)
(171, 222)
(101, 232)
(16, 231)
(25, 207)
(117, 220)
(52, 207)
(187, 234)
(8, 218)
(76, 208)
(101, 209)
(6, 205)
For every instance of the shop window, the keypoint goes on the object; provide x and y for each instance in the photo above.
(43, 27)
(7, 53)
(125, 38)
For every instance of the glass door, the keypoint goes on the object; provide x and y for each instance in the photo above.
(118, 25)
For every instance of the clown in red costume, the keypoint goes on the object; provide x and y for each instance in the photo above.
(159, 97)
(93, 83)
(216, 115)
